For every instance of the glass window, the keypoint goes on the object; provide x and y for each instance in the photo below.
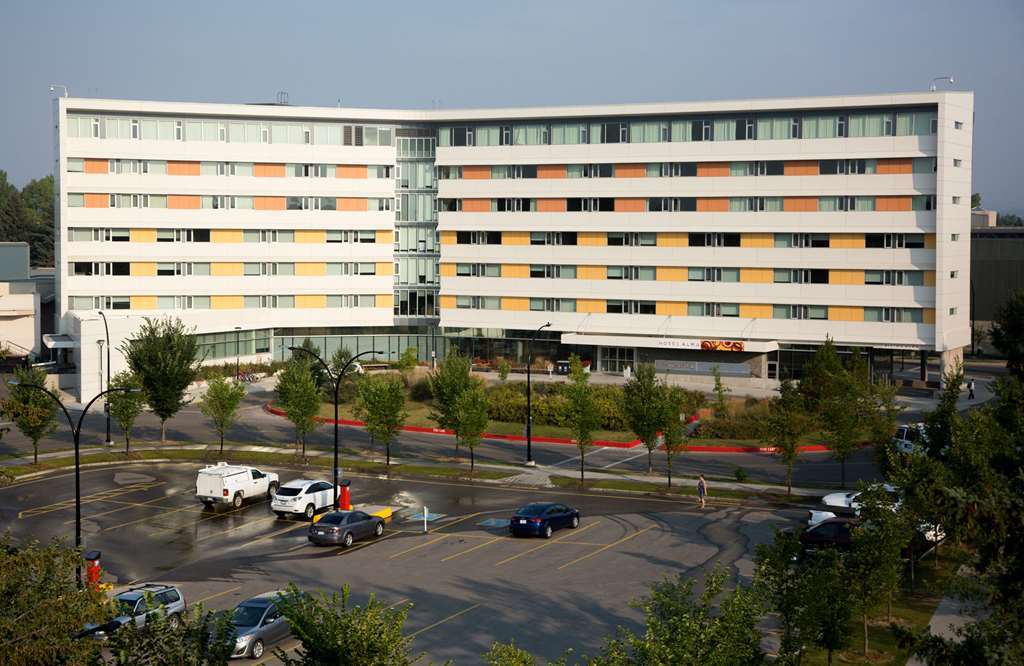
(76, 200)
(695, 309)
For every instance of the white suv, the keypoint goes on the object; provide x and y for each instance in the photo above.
(302, 496)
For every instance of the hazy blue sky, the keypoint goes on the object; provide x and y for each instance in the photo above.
(405, 54)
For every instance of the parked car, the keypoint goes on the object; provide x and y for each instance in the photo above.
(258, 625)
(302, 496)
(138, 604)
(846, 504)
(342, 528)
(542, 519)
(910, 439)
(232, 484)
(830, 533)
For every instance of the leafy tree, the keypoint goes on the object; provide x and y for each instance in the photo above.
(335, 632)
(975, 200)
(34, 414)
(684, 631)
(1007, 333)
(299, 398)
(504, 367)
(941, 421)
(823, 377)
(320, 378)
(347, 389)
(672, 402)
(507, 654)
(42, 607)
(787, 423)
(581, 414)
(382, 406)
(842, 416)
(1009, 220)
(829, 605)
(163, 354)
(220, 404)
(471, 419)
(721, 404)
(125, 407)
(408, 360)
(447, 382)
(37, 197)
(642, 401)
(779, 577)
(197, 638)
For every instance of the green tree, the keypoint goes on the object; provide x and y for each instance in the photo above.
(33, 413)
(504, 367)
(787, 423)
(718, 628)
(42, 607)
(842, 416)
(975, 200)
(37, 198)
(721, 404)
(195, 638)
(299, 397)
(672, 402)
(823, 377)
(163, 354)
(125, 407)
(581, 414)
(408, 360)
(779, 576)
(642, 401)
(1007, 333)
(347, 390)
(829, 605)
(335, 632)
(447, 382)
(941, 421)
(220, 404)
(471, 419)
(382, 406)
(507, 654)
(320, 378)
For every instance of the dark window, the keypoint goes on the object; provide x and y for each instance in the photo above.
(914, 241)
(200, 235)
(697, 130)
(614, 306)
(730, 240)
(819, 276)
(83, 268)
(464, 237)
(774, 168)
(605, 170)
(697, 239)
(819, 240)
(606, 204)
(841, 126)
(645, 307)
(506, 135)
(568, 238)
(528, 171)
(120, 268)
(829, 167)
(294, 203)
(795, 127)
(459, 136)
(493, 238)
(874, 240)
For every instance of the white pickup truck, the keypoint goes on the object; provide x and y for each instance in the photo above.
(233, 484)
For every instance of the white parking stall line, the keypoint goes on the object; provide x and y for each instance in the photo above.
(624, 460)
(588, 453)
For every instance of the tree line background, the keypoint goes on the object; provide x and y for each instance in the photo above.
(27, 215)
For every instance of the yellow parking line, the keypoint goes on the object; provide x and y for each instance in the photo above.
(549, 542)
(611, 545)
(470, 550)
(218, 594)
(442, 621)
(344, 551)
(456, 521)
(200, 508)
(88, 499)
(290, 528)
(236, 527)
(399, 603)
(147, 518)
(125, 508)
(422, 545)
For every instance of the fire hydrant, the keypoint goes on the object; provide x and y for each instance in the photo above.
(344, 495)
(93, 570)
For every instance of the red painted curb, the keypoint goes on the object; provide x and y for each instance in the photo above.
(812, 448)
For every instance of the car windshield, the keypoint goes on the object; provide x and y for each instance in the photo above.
(288, 492)
(247, 616)
(332, 519)
(532, 510)
(126, 606)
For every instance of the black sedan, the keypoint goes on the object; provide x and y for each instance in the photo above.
(343, 528)
(543, 519)
(830, 533)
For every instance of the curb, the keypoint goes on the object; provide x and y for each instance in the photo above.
(809, 448)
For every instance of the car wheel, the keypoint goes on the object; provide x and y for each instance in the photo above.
(237, 501)
(173, 621)
(280, 514)
(547, 531)
(310, 510)
(575, 522)
(347, 541)
(257, 649)
(272, 491)
(379, 529)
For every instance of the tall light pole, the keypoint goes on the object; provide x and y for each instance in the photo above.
(106, 407)
(336, 378)
(237, 351)
(529, 401)
(76, 432)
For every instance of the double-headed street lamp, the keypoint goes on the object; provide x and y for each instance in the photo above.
(336, 378)
(76, 432)
(106, 407)
(529, 404)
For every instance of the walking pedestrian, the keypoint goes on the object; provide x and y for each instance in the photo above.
(702, 489)
(970, 389)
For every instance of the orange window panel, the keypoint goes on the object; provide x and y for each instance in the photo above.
(591, 305)
(476, 172)
(268, 170)
(712, 169)
(448, 302)
(716, 205)
(757, 239)
(630, 170)
(269, 203)
(893, 204)
(352, 203)
(801, 168)
(97, 201)
(95, 166)
(929, 241)
(633, 205)
(896, 165)
(183, 168)
(670, 308)
(189, 201)
(476, 205)
(551, 171)
(551, 205)
(755, 311)
(929, 315)
(447, 238)
(800, 204)
(845, 313)
(447, 270)
(351, 171)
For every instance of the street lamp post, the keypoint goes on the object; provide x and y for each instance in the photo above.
(106, 407)
(336, 378)
(237, 351)
(76, 432)
(529, 402)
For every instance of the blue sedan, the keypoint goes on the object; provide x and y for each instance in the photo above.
(543, 519)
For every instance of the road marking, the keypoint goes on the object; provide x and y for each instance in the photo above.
(568, 460)
(399, 603)
(218, 594)
(624, 460)
(88, 499)
(422, 545)
(442, 621)
(215, 515)
(147, 518)
(290, 528)
(236, 527)
(345, 551)
(549, 542)
(470, 550)
(125, 508)
(457, 521)
(611, 545)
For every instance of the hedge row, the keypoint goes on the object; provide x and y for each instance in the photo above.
(507, 402)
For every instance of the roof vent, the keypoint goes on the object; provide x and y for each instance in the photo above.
(282, 98)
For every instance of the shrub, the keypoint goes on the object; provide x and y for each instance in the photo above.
(551, 410)
(741, 475)
(747, 424)
(507, 402)
(504, 367)
(420, 390)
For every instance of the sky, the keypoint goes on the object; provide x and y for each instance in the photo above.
(529, 52)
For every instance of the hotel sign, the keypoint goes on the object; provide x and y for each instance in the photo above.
(702, 345)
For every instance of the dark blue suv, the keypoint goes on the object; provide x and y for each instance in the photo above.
(543, 519)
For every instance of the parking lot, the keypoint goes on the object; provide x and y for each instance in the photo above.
(467, 581)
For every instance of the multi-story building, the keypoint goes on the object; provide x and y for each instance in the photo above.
(691, 235)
